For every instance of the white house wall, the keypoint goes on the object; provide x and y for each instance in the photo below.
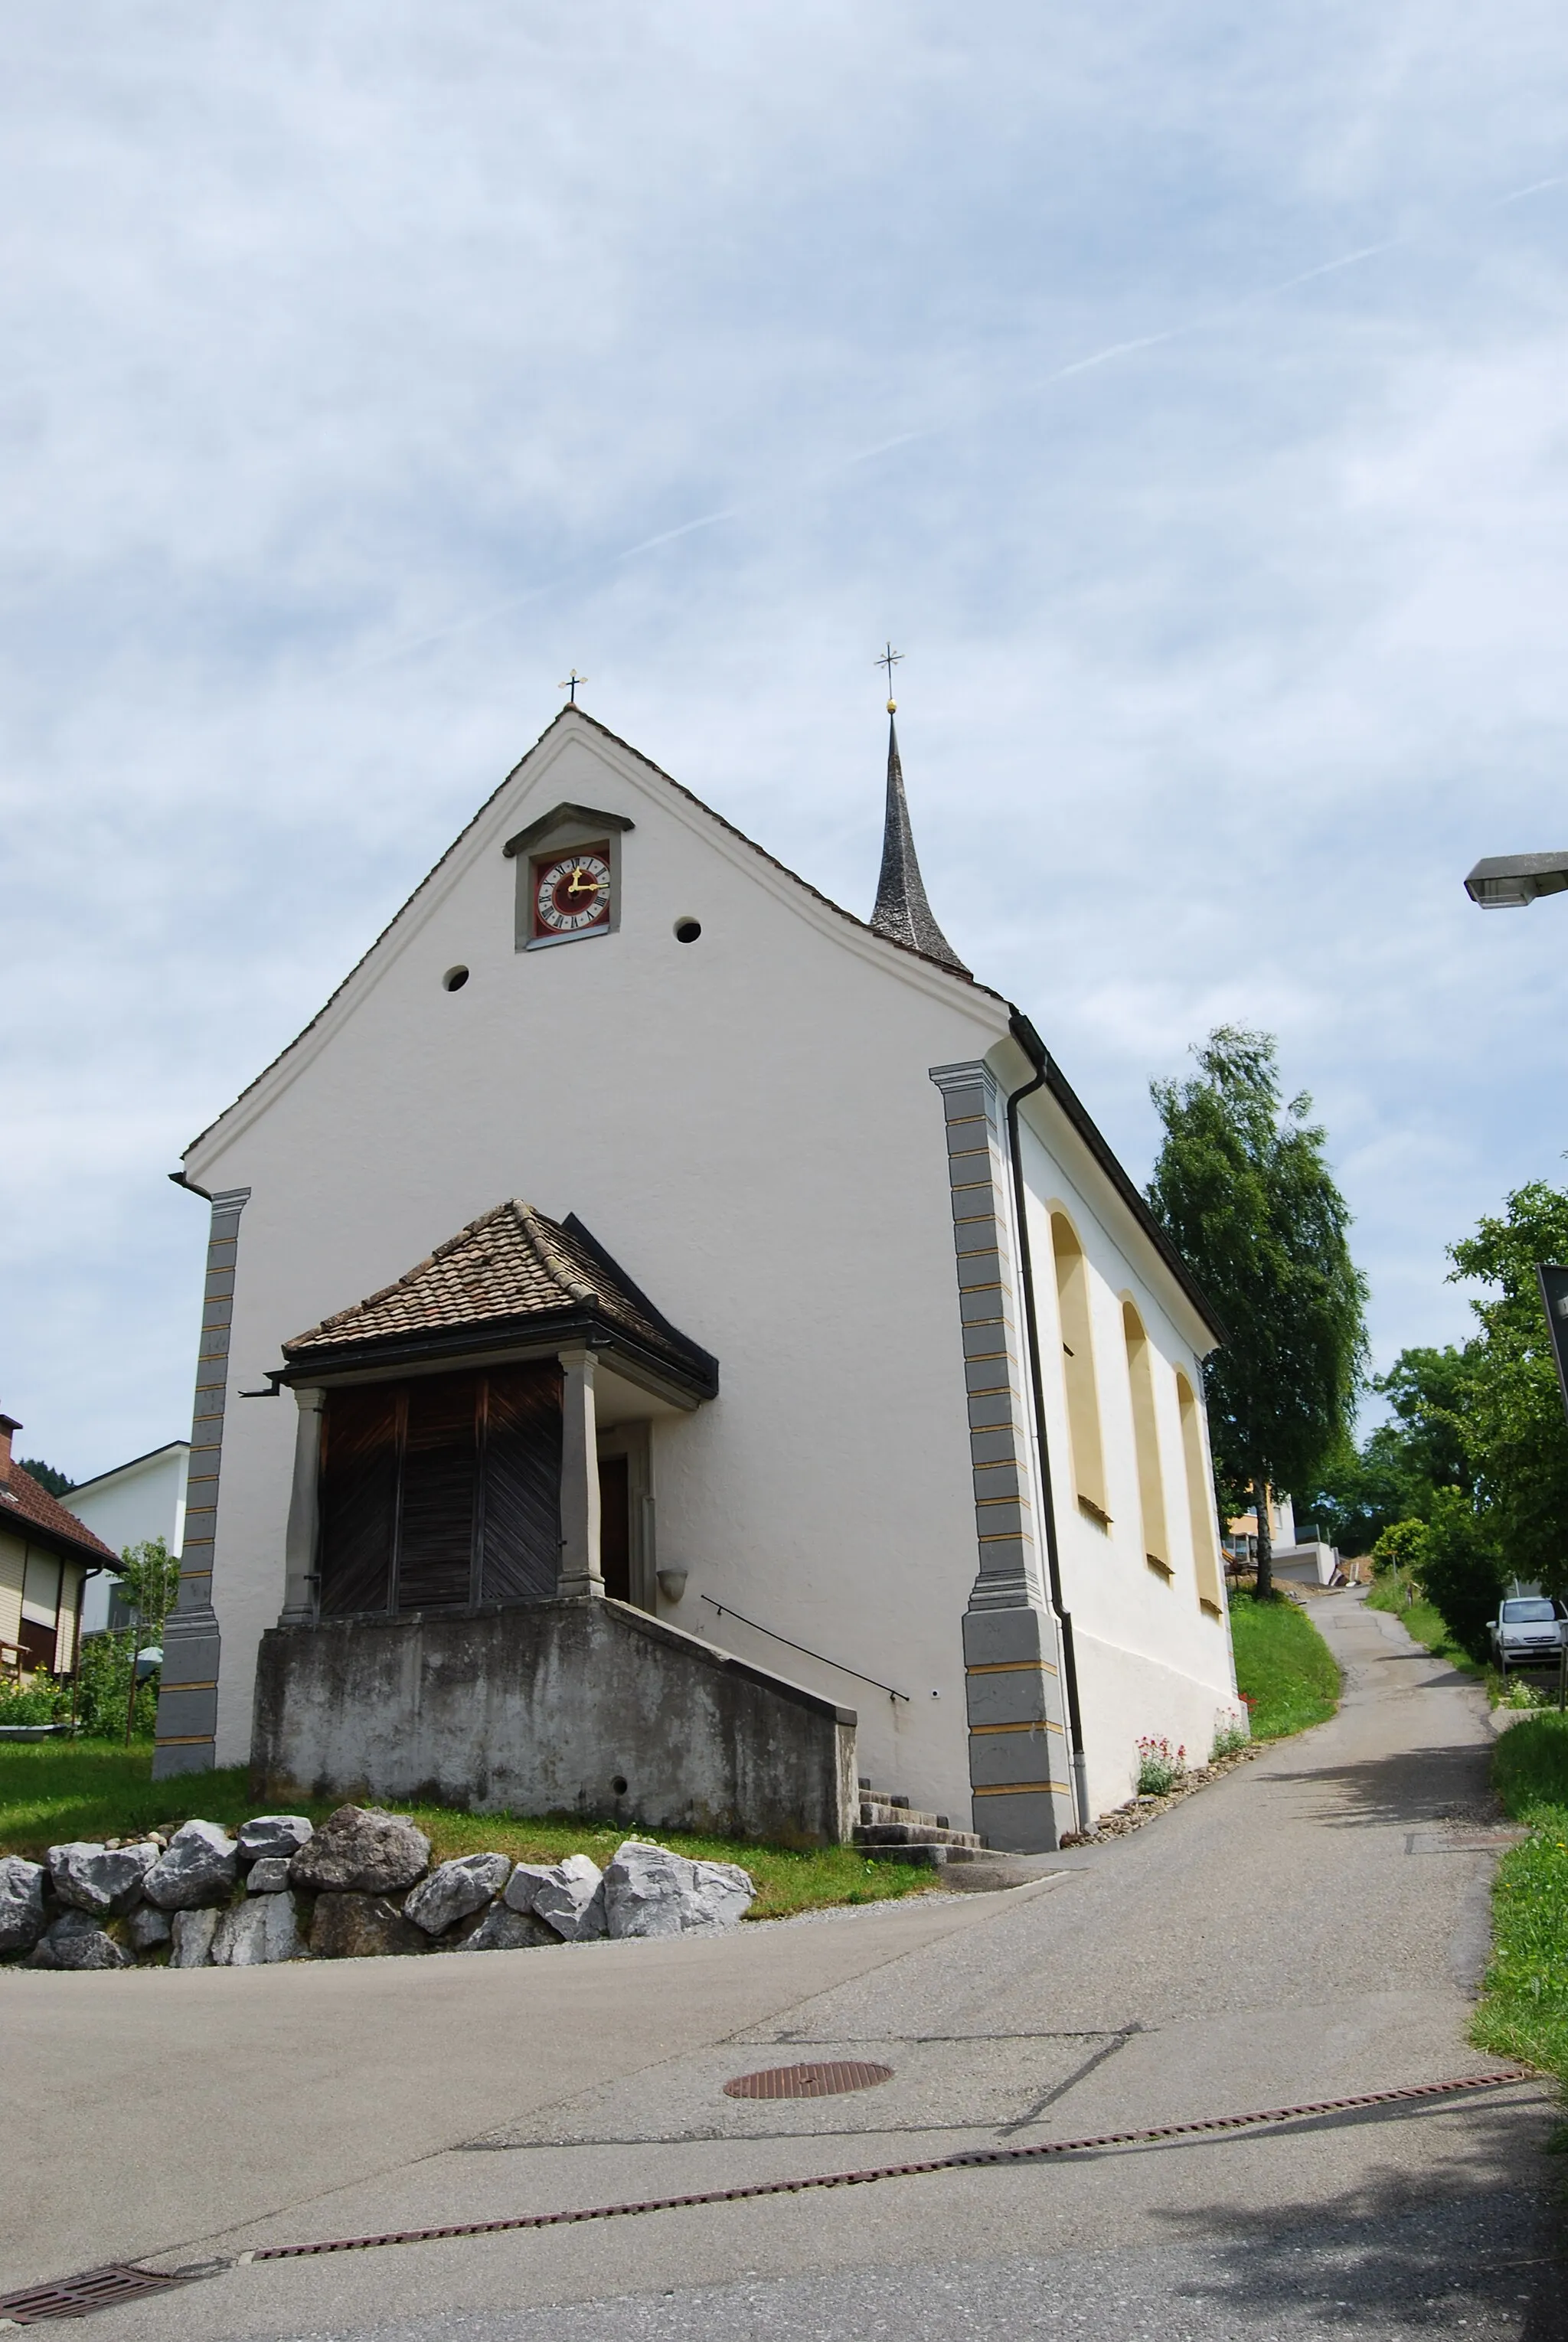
(132, 1505)
(746, 1123)
(1151, 1660)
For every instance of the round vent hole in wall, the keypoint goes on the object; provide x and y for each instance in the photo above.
(687, 930)
(619, 1785)
(454, 979)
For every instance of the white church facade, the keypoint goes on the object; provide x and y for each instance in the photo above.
(636, 1228)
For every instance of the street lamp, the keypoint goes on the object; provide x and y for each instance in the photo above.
(1508, 882)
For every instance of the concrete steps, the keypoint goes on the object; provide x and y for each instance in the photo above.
(890, 1830)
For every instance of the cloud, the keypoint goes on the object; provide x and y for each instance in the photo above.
(1178, 388)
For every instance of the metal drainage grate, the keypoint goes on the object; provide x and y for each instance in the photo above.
(73, 2296)
(824, 2081)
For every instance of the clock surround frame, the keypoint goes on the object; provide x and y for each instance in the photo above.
(568, 829)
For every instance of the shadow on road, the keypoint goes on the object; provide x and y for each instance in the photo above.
(1480, 2238)
(1412, 1787)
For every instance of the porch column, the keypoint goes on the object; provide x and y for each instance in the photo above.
(580, 1572)
(299, 1587)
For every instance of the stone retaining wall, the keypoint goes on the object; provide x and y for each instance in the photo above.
(360, 1887)
(580, 1707)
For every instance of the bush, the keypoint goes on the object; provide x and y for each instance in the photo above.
(44, 1701)
(1461, 1571)
(1160, 1767)
(1231, 1736)
(103, 1688)
(1402, 1546)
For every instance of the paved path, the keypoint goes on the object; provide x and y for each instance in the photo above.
(1310, 1928)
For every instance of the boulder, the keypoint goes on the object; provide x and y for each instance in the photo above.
(21, 1903)
(268, 1874)
(351, 1926)
(147, 1927)
(77, 1941)
(255, 1934)
(504, 1930)
(359, 1850)
(272, 1834)
(104, 1880)
(456, 1889)
(649, 1891)
(568, 1896)
(193, 1933)
(199, 1866)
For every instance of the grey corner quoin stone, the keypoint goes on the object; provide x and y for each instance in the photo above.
(568, 1896)
(540, 1708)
(351, 1926)
(192, 1934)
(505, 1930)
(360, 1850)
(268, 1875)
(188, 1682)
(200, 1866)
(649, 1891)
(257, 1934)
(21, 1903)
(100, 1879)
(455, 1890)
(77, 1941)
(274, 1834)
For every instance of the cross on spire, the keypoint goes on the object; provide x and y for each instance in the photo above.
(569, 684)
(890, 659)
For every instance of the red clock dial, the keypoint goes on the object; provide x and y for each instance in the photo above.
(571, 895)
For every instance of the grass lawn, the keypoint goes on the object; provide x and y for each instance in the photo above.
(1523, 2010)
(1425, 1624)
(50, 1792)
(1284, 1670)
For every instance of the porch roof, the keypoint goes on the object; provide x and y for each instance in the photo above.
(511, 1276)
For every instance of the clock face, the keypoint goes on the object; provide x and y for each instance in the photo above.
(571, 895)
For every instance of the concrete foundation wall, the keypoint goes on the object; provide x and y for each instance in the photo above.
(540, 1708)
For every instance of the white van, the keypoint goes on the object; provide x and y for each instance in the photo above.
(1528, 1632)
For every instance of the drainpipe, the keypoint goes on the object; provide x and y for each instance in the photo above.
(1034, 1049)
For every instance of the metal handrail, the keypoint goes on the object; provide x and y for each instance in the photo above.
(726, 1608)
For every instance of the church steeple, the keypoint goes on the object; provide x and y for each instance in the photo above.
(901, 910)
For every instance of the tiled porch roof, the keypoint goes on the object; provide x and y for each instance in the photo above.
(510, 1268)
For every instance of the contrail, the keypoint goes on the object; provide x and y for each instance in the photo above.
(1206, 323)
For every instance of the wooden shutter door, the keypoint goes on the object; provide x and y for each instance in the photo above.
(440, 1488)
(523, 1485)
(358, 1500)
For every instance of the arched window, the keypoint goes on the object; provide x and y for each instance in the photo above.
(1078, 1367)
(1146, 1443)
(1206, 1554)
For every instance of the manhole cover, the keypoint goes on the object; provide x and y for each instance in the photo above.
(73, 2296)
(824, 2081)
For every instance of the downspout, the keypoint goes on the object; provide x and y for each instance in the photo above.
(1034, 1049)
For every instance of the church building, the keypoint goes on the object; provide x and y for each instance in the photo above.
(673, 1347)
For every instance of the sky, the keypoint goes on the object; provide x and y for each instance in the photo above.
(1178, 387)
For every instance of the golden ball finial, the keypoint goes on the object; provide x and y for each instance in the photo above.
(893, 706)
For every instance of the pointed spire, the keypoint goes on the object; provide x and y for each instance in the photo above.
(901, 910)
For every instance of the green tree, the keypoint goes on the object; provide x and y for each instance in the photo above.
(1512, 1429)
(1395, 1473)
(149, 1584)
(1403, 1546)
(1243, 1189)
(52, 1483)
(1461, 1569)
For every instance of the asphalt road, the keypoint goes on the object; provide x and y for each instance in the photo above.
(1310, 1928)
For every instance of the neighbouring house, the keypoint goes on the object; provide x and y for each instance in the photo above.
(1308, 1559)
(130, 1505)
(766, 1370)
(46, 1556)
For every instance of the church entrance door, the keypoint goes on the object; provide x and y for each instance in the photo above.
(615, 1525)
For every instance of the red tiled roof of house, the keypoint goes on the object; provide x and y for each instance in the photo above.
(34, 1512)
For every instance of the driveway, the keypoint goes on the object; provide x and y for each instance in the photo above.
(1311, 1927)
